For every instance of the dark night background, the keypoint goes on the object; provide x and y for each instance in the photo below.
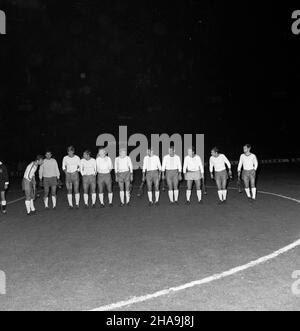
(71, 70)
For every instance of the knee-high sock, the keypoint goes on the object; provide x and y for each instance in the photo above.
(94, 198)
(46, 202)
(85, 198)
(32, 205)
(157, 194)
(77, 198)
(248, 192)
(122, 196)
(254, 193)
(220, 193)
(27, 204)
(70, 200)
(176, 195)
(199, 195)
(54, 201)
(150, 196)
(101, 198)
(225, 195)
(128, 196)
(171, 196)
(188, 195)
(110, 198)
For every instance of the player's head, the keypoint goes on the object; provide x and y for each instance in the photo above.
(215, 152)
(87, 154)
(150, 151)
(102, 153)
(123, 152)
(71, 151)
(39, 160)
(247, 148)
(172, 151)
(48, 155)
(191, 152)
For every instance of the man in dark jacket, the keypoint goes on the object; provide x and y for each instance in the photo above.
(4, 182)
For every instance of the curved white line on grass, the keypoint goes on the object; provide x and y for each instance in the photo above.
(264, 259)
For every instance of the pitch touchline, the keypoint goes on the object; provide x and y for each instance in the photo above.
(264, 259)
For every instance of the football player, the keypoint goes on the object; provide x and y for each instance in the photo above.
(88, 171)
(104, 168)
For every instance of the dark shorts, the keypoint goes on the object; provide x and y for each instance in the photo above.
(172, 178)
(221, 176)
(89, 182)
(72, 180)
(49, 182)
(104, 180)
(249, 175)
(152, 178)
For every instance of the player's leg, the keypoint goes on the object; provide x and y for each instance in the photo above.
(170, 186)
(75, 180)
(101, 187)
(253, 184)
(219, 186)
(122, 191)
(3, 202)
(199, 191)
(46, 192)
(109, 187)
(69, 187)
(224, 179)
(156, 187)
(127, 188)
(176, 187)
(246, 180)
(189, 191)
(86, 186)
(54, 183)
(149, 187)
(93, 191)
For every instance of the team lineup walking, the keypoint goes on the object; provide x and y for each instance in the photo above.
(96, 173)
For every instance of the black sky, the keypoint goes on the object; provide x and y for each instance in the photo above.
(71, 70)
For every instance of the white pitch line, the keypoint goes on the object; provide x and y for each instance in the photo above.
(252, 264)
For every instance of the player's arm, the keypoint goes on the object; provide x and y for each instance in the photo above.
(144, 169)
(211, 168)
(159, 167)
(130, 168)
(163, 169)
(117, 170)
(57, 170)
(240, 166)
(185, 165)
(228, 165)
(64, 165)
(201, 168)
(255, 161)
(81, 167)
(41, 172)
(179, 169)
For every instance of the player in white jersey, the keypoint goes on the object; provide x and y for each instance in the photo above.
(104, 169)
(88, 170)
(193, 171)
(218, 171)
(49, 175)
(152, 175)
(124, 175)
(29, 184)
(171, 171)
(249, 164)
(71, 167)
(4, 183)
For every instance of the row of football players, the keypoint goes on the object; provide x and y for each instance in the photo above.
(97, 172)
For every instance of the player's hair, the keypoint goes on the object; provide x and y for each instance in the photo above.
(215, 149)
(88, 152)
(39, 157)
(71, 149)
(248, 146)
(48, 151)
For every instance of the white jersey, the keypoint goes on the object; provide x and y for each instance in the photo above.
(30, 171)
(104, 165)
(193, 164)
(123, 164)
(71, 164)
(151, 163)
(49, 169)
(248, 162)
(219, 163)
(88, 167)
(172, 163)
